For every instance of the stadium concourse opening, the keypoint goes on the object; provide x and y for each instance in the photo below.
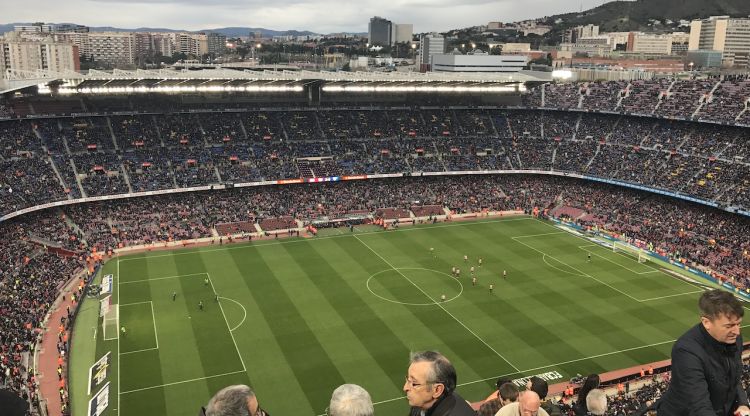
(652, 178)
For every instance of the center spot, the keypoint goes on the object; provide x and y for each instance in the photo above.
(414, 286)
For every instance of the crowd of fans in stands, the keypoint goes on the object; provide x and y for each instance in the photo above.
(55, 159)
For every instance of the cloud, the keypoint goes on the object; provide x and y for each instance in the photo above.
(322, 16)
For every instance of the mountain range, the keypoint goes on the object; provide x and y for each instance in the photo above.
(230, 32)
(622, 16)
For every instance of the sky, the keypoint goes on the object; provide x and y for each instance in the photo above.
(320, 16)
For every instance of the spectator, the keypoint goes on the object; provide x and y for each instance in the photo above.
(508, 393)
(528, 404)
(580, 406)
(430, 387)
(706, 362)
(350, 400)
(596, 402)
(236, 400)
(540, 387)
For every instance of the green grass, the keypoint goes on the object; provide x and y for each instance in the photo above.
(296, 318)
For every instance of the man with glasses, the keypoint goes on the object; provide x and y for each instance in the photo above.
(234, 401)
(430, 387)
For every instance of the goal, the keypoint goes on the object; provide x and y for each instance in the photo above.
(635, 253)
(110, 318)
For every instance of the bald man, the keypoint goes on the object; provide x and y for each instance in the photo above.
(528, 404)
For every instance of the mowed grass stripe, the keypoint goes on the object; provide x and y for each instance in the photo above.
(385, 351)
(303, 352)
(406, 322)
(268, 370)
(138, 370)
(477, 307)
(214, 343)
(502, 321)
(452, 330)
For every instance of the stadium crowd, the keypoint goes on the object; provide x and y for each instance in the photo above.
(58, 158)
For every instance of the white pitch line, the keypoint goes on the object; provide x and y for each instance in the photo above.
(227, 322)
(244, 311)
(180, 382)
(526, 371)
(136, 351)
(580, 272)
(153, 318)
(117, 330)
(671, 296)
(163, 278)
(134, 303)
(618, 264)
(437, 304)
(540, 235)
(307, 240)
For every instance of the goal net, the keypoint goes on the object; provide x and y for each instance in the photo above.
(635, 253)
(110, 318)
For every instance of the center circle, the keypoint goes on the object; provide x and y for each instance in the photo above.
(407, 285)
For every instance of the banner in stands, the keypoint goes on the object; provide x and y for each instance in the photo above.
(98, 404)
(104, 305)
(106, 284)
(98, 372)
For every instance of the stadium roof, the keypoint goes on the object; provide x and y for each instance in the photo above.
(15, 80)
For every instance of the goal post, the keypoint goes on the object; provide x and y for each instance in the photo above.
(110, 318)
(635, 253)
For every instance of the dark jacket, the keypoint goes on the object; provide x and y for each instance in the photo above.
(447, 405)
(551, 408)
(705, 377)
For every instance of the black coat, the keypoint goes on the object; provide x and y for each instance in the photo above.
(705, 377)
(448, 405)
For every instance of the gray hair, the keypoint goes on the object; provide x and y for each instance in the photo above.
(350, 400)
(596, 402)
(230, 401)
(441, 370)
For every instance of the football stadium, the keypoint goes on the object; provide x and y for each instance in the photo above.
(170, 233)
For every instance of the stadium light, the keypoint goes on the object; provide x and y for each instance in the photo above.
(448, 89)
(178, 89)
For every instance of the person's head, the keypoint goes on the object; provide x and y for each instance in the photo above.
(490, 407)
(350, 400)
(429, 377)
(528, 403)
(596, 402)
(502, 380)
(538, 386)
(508, 393)
(591, 382)
(237, 400)
(721, 315)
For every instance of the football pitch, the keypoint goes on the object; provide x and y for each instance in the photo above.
(296, 318)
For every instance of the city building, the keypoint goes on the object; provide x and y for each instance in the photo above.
(379, 31)
(34, 28)
(217, 43)
(115, 49)
(572, 35)
(731, 36)
(401, 32)
(648, 43)
(191, 44)
(20, 54)
(512, 48)
(430, 45)
(478, 63)
(80, 39)
(703, 59)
